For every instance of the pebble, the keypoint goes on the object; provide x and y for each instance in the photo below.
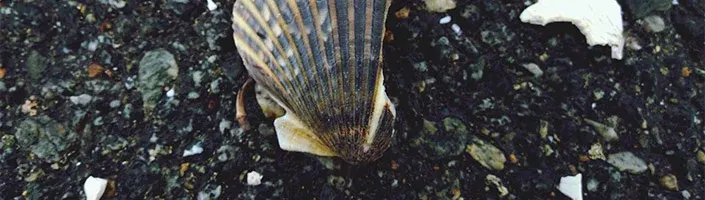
(598, 94)
(115, 103)
(129, 83)
(494, 180)
(686, 194)
(95, 69)
(98, 121)
(487, 154)
(91, 45)
(193, 95)
(439, 5)
(94, 188)
(117, 3)
(627, 161)
(633, 43)
(83, 99)
(224, 125)
(211, 5)
(592, 184)
(654, 23)
(254, 178)
(36, 65)
(210, 192)
(194, 150)
(596, 152)
(445, 20)
(421, 66)
(543, 128)
(402, 13)
(441, 141)
(456, 29)
(607, 133)
(701, 157)
(572, 186)
(669, 181)
(157, 69)
(44, 137)
(215, 86)
(327, 162)
(534, 69)
(197, 78)
(266, 130)
(127, 111)
(641, 8)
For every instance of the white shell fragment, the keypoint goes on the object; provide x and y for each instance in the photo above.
(456, 29)
(599, 20)
(94, 188)
(194, 150)
(445, 20)
(572, 186)
(534, 69)
(254, 178)
(211, 5)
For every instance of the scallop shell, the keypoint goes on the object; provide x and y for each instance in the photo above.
(321, 60)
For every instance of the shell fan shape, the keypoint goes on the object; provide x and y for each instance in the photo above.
(321, 60)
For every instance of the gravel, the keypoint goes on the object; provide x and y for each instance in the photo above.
(122, 89)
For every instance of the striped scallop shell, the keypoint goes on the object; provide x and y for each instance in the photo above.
(321, 60)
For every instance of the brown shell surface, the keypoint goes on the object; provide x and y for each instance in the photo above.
(321, 60)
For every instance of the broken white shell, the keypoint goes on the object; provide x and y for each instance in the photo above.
(94, 188)
(599, 20)
(572, 186)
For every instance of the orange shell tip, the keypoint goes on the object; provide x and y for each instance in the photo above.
(95, 70)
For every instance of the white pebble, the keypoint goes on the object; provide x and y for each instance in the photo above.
(115, 103)
(197, 78)
(92, 45)
(456, 28)
(94, 188)
(654, 23)
(445, 20)
(193, 95)
(211, 5)
(194, 150)
(224, 124)
(81, 99)
(534, 69)
(154, 138)
(686, 194)
(170, 93)
(254, 178)
(572, 186)
(118, 3)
